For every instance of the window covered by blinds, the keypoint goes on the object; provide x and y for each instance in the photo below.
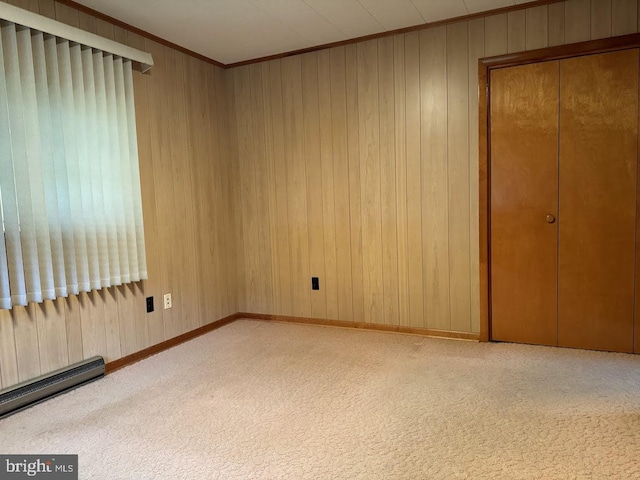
(69, 180)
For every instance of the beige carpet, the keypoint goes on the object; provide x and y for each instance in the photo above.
(269, 400)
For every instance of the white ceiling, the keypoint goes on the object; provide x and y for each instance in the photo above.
(231, 31)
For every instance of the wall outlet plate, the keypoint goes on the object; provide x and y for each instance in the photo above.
(167, 300)
(149, 304)
(315, 283)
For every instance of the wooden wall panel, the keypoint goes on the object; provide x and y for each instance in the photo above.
(401, 178)
(355, 185)
(517, 31)
(296, 186)
(330, 284)
(253, 250)
(600, 19)
(264, 290)
(187, 181)
(341, 181)
(556, 24)
(537, 27)
(369, 130)
(388, 197)
(476, 51)
(434, 164)
(496, 35)
(458, 175)
(623, 17)
(281, 258)
(413, 132)
(577, 21)
(312, 157)
(8, 358)
(270, 183)
(382, 156)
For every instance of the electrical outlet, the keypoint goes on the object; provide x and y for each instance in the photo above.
(167, 301)
(315, 283)
(149, 304)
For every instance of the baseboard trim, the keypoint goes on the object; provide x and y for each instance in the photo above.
(425, 332)
(167, 344)
(185, 337)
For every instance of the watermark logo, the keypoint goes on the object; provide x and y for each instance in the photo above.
(50, 467)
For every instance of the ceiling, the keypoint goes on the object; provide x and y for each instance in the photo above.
(231, 31)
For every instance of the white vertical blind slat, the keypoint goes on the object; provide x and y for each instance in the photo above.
(69, 175)
(13, 242)
(54, 265)
(63, 250)
(114, 136)
(110, 268)
(96, 147)
(89, 145)
(131, 247)
(22, 224)
(141, 271)
(6, 176)
(34, 226)
(76, 258)
(77, 174)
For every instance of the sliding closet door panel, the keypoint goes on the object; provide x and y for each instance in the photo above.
(524, 191)
(598, 162)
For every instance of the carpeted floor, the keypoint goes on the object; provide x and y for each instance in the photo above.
(270, 400)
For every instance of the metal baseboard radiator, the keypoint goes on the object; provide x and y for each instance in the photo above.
(27, 394)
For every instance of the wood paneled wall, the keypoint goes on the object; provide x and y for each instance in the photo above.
(356, 164)
(360, 165)
(187, 181)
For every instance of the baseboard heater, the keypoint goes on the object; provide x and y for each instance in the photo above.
(27, 394)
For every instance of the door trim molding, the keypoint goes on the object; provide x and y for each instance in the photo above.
(485, 65)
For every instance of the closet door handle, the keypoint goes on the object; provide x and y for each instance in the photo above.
(551, 218)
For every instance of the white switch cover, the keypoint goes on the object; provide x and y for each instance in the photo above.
(167, 301)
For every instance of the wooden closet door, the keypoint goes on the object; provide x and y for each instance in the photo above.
(598, 162)
(524, 191)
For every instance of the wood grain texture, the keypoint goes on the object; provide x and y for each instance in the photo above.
(577, 21)
(328, 185)
(362, 326)
(458, 175)
(8, 359)
(401, 178)
(341, 181)
(517, 31)
(388, 198)
(524, 190)
(181, 165)
(314, 184)
(182, 168)
(296, 185)
(52, 336)
(496, 35)
(281, 258)
(624, 14)
(369, 148)
(600, 19)
(537, 27)
(26, 341)
(270, 169)
(264, 289)
(598, 175)
(355, 185)
(434, 167)
(556, 24)
(476, 51)
(413, 134)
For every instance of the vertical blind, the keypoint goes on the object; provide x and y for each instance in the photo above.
(69, 180)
